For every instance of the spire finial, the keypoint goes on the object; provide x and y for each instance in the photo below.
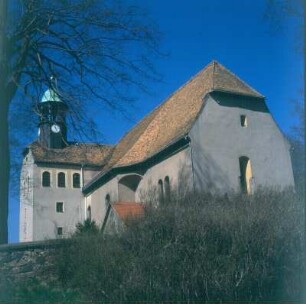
(53, 82)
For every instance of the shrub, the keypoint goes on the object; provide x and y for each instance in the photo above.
(199, 248)
(88, 227)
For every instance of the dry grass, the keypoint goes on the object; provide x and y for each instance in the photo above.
(199, 248)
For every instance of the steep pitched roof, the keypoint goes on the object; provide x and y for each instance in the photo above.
(86, 154)
(174, 118)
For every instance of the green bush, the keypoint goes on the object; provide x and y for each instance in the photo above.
(87, 228)
(200, 248)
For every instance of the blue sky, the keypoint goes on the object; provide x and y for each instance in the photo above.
(195, 32)
(236, 34)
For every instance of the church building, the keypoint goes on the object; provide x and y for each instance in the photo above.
(215, 133)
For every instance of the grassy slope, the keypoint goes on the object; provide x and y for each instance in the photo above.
(196, 248)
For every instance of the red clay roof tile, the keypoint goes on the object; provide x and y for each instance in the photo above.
(127, 210)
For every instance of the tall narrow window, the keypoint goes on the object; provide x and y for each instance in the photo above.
(243, 121)
(76, 180)
(167, 188)
(88, 215)
(61, 182)
(160, 191)
(46, 179)
(247, 181)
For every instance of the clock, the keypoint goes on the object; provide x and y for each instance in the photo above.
(55, 128)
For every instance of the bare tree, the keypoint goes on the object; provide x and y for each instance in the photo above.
(278, 12)
(97, 50)
(297, 141)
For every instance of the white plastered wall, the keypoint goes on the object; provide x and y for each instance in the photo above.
(177, 167)
(26, 200)
(218, 140)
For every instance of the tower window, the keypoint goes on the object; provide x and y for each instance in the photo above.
(76, 180)
(59, 231)
(61, 181)
(243, 121)
(46, 179)
(59, 207)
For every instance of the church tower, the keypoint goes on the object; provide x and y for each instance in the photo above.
(52, 131)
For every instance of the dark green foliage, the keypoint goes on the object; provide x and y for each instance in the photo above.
(88, 227)
(36, 291)
(200, 248)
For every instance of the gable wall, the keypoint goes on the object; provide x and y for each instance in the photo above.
(218, 140)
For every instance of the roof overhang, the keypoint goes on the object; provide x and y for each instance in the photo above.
(173, 147)
(67, 164)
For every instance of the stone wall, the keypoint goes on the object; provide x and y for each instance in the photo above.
(22, 262)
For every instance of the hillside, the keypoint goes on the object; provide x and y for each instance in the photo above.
(199, 248)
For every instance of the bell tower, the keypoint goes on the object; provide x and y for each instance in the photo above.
(52, 131)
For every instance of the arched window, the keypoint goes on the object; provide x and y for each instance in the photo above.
(246, 176)
(167, 188)
(160, 191)
(46, 179)
(243, 121)
(76, 181)
(61, 180)
(88, 213)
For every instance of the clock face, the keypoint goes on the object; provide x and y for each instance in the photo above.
(55, 128)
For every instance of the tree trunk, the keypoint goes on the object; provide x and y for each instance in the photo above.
(4, 142)
(4, 172)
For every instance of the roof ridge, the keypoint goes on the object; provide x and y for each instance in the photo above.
(162, 104)
(234, 75)
(186, 83)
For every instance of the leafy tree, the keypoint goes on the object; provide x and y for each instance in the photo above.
(97, 50)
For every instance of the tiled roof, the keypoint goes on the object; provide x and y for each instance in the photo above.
(174, 117)
(127, 210)
(86, 154)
